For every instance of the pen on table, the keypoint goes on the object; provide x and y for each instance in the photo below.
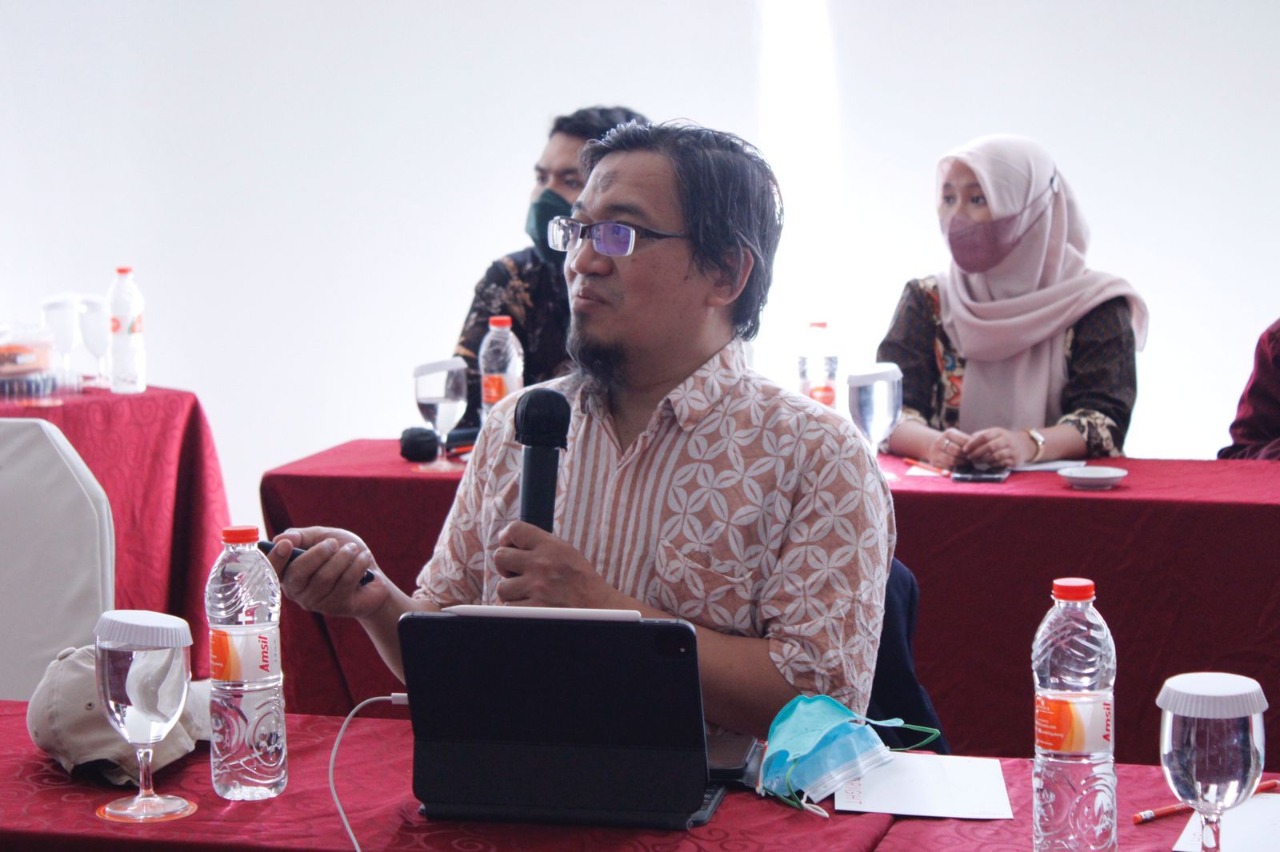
(926, 466)
(1181, 808)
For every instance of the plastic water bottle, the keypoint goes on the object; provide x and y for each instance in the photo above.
(248, 756)
(501, 362)
(127, 356)
(1073, 661)
(818, 366)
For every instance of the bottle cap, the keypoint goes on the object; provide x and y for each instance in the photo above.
(817, 325)
(1211, 695)
(1073, 589)
(240, 534)
(123, 270)
(500, 321)
(141, 628)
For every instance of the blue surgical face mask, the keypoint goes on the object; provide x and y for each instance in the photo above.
(816, 746)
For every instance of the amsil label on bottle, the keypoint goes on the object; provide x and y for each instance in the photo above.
(1071, 723)
(244, 656)
(494, 387)
(824, 394)
(126, 325)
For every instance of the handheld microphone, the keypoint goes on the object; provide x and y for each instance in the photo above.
(542, 426)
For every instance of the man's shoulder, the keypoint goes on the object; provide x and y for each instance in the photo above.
(523, 264)
(786, 408)
(1271, 337)
(570, 385)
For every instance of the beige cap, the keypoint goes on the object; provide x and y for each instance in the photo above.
(64, 719)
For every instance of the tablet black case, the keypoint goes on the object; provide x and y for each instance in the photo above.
(555, 720)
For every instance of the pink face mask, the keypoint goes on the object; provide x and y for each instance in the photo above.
(981, 246)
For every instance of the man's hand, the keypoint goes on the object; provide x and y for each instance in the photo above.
(539, 569)
(326, 578)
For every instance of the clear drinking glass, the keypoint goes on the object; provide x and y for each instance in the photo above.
(143, 669)
(61, 318)
(875, 400)
(95, 331)
(1212, 744)
(440, 383)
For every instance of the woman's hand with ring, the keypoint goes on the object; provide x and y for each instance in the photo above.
(947, 448)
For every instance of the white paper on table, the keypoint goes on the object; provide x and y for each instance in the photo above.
(935, 785)
(1251, 827)
(916, 470)
(1060, 464)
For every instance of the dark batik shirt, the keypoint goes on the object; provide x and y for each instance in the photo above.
(534, 295)
(1255, 434)
(1102, 374)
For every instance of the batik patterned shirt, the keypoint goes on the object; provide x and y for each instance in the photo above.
(1102, 376)
(534, 294)
(1255, 434)
(742, 508)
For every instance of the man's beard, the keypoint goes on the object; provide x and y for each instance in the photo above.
(603, 362)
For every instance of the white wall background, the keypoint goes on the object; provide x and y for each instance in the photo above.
(309, 190)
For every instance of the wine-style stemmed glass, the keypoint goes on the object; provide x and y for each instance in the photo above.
(875, 400)
(436, 385)
(1212, 744)
(143, 669)
(95, 331)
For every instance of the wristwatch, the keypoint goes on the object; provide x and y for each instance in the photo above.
(1039, 439)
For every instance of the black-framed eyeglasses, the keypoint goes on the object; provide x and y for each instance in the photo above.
(609, 238)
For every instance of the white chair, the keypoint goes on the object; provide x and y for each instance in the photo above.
(57, 551)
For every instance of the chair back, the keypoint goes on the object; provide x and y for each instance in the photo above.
(896, 692)
(57, 551)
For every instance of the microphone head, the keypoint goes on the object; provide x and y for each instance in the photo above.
(542, 418)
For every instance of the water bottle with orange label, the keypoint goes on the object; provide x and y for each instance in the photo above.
(127, 355)
(818, 365)
(1073, 661)
(501, 362)
(248, 754)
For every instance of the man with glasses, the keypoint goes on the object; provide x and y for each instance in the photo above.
(528, 285)
(691, 486)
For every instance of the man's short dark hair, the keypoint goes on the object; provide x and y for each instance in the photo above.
(729, 198)
(594, 122)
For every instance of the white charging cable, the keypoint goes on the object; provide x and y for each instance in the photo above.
(394, 698)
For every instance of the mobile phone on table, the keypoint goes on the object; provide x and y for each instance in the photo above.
(969, 472)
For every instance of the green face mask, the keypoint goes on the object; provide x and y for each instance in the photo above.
(544, 208)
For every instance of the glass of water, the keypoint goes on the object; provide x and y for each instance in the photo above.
(440, 383)
(61, 317)
(1211, 744)
(875, 400)
(143, 669)
(95, 331)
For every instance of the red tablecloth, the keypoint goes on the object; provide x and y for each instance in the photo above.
(1184, 556)
(42, 808)
(153, 455)
(1183, 553)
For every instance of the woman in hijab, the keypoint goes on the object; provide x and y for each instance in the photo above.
(1017, 353)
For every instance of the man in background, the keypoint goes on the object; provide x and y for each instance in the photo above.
(691, 486)
(528, 285)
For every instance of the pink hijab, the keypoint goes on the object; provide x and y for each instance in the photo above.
(1010, 322)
